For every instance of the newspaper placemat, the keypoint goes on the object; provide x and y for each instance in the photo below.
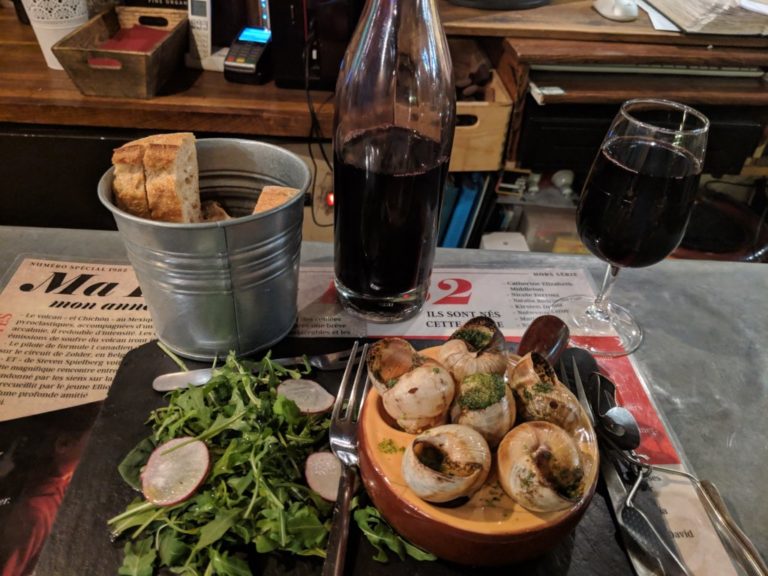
(65, 327)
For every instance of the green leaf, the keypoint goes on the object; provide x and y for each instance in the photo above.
(217, 527)
(139, 559)
(287, 409)
(226, 565)
(305, 527)
(264, 544)
(134, 461)
(138, 513)
(171, 548)
(383, 537)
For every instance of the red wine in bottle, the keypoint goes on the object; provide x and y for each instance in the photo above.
(393, 131)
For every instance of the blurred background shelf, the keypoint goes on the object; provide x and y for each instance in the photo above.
(42, 113)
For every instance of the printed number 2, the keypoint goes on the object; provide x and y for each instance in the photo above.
(459, 291)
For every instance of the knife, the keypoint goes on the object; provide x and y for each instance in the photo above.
(647, 540)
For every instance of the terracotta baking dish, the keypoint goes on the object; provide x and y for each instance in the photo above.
(489, 529)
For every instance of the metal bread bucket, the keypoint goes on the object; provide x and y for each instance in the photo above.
(228, 285)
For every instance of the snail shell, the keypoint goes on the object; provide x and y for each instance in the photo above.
(484, 402)
(478, 346)
(420, 398)
(539, 466)
(446, 462)
(390, 358)
(539, 395)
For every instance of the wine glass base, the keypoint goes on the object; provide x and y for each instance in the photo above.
(601, 327)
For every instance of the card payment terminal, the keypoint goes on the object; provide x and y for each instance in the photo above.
(249, 60)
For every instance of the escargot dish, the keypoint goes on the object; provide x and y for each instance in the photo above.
(446, 462)
(492, 467)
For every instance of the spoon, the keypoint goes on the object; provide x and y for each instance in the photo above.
(617, 423)
(620, 425)
(547, 335)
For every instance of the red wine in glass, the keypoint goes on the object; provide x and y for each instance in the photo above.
(637, 201)
(634, 209)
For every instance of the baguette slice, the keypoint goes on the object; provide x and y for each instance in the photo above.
(171, 178)
(213, 211)
(272, 196)
(128, 185)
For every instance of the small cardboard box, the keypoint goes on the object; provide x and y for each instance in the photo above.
(119, 73)
(479, 145)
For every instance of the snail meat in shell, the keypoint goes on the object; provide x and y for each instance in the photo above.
(446, 462)
(485, 403)
(539, 466)
(390, 358)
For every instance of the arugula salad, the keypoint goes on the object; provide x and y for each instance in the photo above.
(253, 497)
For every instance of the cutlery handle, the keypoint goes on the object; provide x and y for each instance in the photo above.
(337, 540)
(752, 562)
(294, 361)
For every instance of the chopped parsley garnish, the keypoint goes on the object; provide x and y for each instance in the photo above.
(476, 338)
(526, 479)
(542, 387)
(479, 391)
(388, 446)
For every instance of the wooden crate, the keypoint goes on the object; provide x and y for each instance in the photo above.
(480, 147)
(118, 73)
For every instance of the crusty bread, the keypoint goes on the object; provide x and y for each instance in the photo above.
(168, 178)
(272, 196)
(213, 211)
(128, 184)
(170, 170)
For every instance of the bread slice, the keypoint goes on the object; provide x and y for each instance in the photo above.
(128, 184)
(213, 211)
(157, 177)
(171, 178)
(272, 196)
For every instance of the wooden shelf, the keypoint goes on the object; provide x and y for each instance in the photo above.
(193, 100)
(572, 20)
(547, 51)
(584, 88)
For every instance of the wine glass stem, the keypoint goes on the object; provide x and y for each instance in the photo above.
(599, 308)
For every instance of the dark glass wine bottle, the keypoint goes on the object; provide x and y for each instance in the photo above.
(393, 131)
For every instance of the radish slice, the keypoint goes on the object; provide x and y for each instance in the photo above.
(310, 397)
(323, 472)
(174, 471)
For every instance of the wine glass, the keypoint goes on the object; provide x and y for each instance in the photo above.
(634, 209)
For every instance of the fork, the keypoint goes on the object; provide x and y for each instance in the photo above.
(174, 380)
(343, 440)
